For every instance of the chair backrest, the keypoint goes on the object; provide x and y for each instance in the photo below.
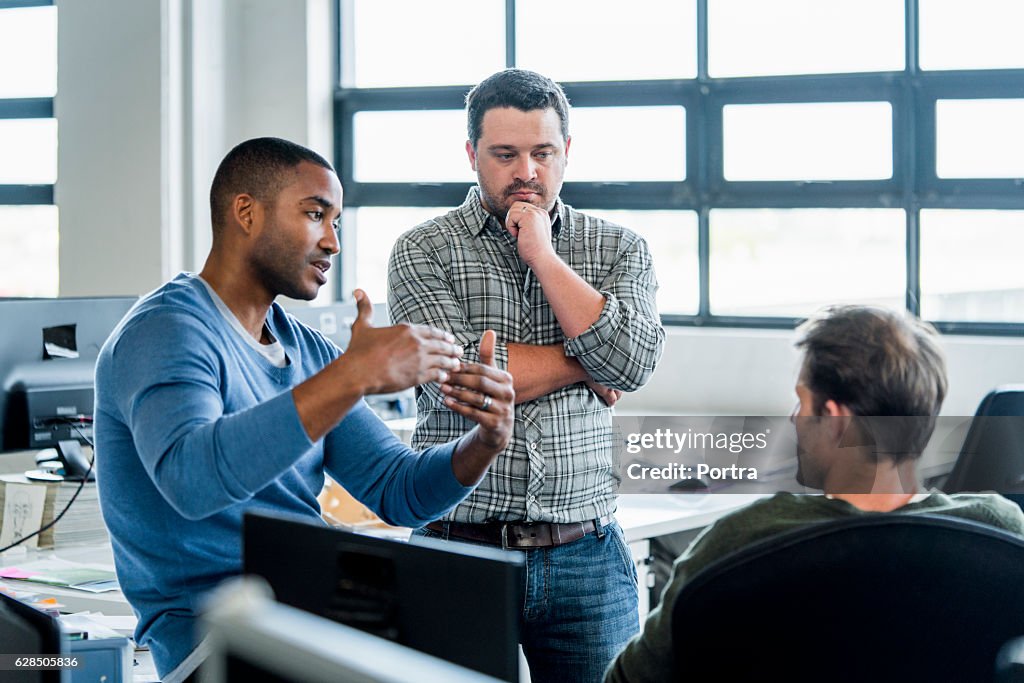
(886, 597)
(992, 457)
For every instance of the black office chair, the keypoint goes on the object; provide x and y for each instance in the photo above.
(992, 457)
(1010, 662)
(880, 598)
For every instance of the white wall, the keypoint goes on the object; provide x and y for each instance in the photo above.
(752, 372)
(152, 93)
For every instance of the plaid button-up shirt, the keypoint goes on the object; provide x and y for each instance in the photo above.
(461, 272)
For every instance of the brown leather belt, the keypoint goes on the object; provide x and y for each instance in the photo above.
(519, 534)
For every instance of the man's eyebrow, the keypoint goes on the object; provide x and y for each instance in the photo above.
(513, 148)
(322, 201)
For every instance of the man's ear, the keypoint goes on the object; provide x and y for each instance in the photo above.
(471, 153)
(243, 210)
(838, 420)
(833, 409)
(568, 141)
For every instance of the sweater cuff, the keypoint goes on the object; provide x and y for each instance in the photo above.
(440, 489)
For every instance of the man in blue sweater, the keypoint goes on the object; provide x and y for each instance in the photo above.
(212, 401)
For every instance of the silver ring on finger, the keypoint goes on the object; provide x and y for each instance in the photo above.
(486, 403)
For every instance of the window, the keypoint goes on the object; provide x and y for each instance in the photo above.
(981, 34)
(792, 262)
(970, 265)
(777, 155)
(822, 141)
(28, 140)
(764, 38)
(980, 138)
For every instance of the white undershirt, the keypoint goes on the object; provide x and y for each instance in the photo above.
(273, 352)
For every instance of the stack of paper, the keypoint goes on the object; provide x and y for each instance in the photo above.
(81, 524)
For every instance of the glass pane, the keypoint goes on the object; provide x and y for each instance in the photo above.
(808, 141)
(28, 151)
(792, 262)
(607, 40)
(618, 143)
(980, 34)
(672, 239)
(758, 38)
(28, 251)
(404, 42)
(28, 39)
(377, 228)
(970, 265)
(979, 138)
(411, 146)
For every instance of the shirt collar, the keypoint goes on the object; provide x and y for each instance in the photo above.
(478, 218)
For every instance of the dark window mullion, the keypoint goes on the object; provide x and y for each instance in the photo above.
(27, 108)
(510, 33)
(13, 195)
(16, 4)
(911, 140)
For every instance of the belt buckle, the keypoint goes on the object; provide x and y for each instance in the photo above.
(504, 536)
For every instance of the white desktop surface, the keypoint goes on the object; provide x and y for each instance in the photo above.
(648, 515)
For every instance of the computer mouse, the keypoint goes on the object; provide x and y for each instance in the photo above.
(688, 486)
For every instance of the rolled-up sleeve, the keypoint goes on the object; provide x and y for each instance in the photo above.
(623, 346)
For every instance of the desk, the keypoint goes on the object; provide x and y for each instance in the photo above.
(110, 603)
(644, 516)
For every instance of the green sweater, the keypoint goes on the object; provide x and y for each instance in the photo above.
(649, 655)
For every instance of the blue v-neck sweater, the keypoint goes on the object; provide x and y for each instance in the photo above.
(195, 427)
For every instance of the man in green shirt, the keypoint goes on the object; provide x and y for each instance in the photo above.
(871, 384)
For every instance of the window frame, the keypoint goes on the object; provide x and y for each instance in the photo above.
(914, 185)
(25, 108)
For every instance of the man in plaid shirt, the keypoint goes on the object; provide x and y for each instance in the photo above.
(572, 299)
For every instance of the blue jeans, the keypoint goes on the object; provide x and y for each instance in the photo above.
(581, 606)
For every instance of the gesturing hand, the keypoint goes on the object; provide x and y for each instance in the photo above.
(484, 394)
(394, 358)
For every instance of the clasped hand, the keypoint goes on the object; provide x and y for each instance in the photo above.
(531, 226)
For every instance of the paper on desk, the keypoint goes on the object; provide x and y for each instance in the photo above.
(88, 623)
(22, 513)
(122, 624)
(57, 572)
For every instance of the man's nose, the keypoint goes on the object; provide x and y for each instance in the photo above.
(330, 240)
(526, 169)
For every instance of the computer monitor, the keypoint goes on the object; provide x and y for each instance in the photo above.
(458, 602)
(48, 350)
(252, 638)
(25, 630)
(335, 320)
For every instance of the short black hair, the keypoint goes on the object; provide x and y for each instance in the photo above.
(879, 363)
(256, 167)
(518, 88)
